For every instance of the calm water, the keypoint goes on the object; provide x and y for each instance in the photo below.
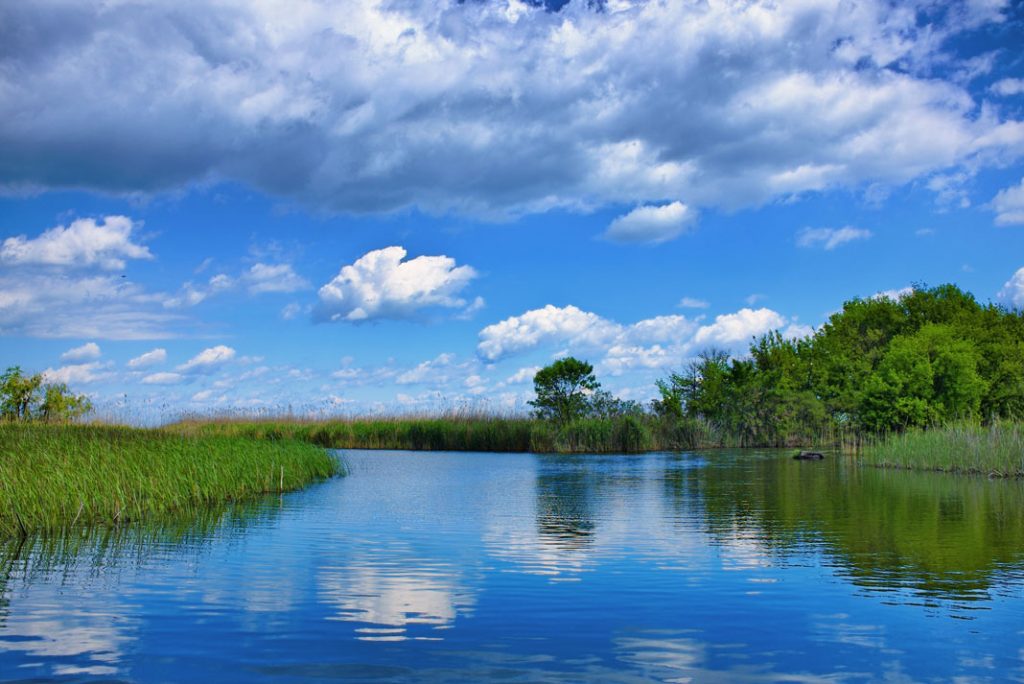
(452, 567)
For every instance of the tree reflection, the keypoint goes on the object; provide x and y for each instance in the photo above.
(942, 535)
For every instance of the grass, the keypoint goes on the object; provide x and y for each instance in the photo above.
(53, 477)
(996, 450)
(458, 432)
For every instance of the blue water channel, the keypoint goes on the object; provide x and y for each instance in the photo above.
(720, 566)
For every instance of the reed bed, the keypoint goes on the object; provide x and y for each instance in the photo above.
(620, 434)
(996, 450)
(54, 477)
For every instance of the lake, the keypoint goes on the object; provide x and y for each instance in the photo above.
(449, 567)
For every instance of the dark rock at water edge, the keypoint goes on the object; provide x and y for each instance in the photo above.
(809, 456)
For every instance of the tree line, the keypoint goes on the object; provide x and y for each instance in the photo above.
(879, 365)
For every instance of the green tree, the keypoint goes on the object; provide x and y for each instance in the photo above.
(19, 393)
(26, 397)
(562, 389)
(59, 404)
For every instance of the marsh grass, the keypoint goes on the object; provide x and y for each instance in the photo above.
(54, 477)
(464, 432)
(995, 450)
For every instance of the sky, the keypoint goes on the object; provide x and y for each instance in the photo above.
(401, 206)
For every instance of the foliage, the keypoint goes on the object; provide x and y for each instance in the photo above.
(880, 365)
(25, 397)
(562, 389)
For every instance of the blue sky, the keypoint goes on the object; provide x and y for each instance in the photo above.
(401, 206)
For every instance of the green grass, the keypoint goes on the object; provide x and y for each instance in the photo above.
(995, 450)
(53, 477)
(624, 434)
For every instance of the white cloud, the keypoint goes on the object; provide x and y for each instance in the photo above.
(656, 342)
(84, 243)
(273, 278)
(87, 352)
(651, 224)
(1008, 86)
(563, 324)
(449, 106)
(1009, 205)
(830, 238)
(739, 326)
(150, 358)
(76, 374)
(442, 370)
(208, 359)
(381, 285)
(1013, 290)
(522, 375)
(291, 310)
(36, 304)
(163, 379)
(692, 303)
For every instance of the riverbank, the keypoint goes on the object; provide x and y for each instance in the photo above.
(996, 450)
(481, 432)
(54, 477)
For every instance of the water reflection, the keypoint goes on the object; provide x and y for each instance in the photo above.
(60, 598)
(943, 536)
(725, 566)
(390, 596)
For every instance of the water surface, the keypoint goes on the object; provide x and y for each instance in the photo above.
(714, 566)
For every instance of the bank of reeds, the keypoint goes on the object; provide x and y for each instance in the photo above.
(996, 450)
(456, 432)
(54, 477)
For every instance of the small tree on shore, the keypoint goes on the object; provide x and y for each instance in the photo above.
(562, 389)
(26, 397)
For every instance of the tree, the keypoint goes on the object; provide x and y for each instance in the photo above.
(19, 393)
(25, 397)
(562, 389)
(59, 404)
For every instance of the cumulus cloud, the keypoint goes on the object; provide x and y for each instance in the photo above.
(692, 303)
(559, 324)
(87, 352)
(208, 360)
(84, 243)
(491, 107)
(830, 238)
(1009, 205)
(651, 224)
(739, 326)
(150, 358)
(76, 374)
(658, 342)
(1013, 290)
(381, 285)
